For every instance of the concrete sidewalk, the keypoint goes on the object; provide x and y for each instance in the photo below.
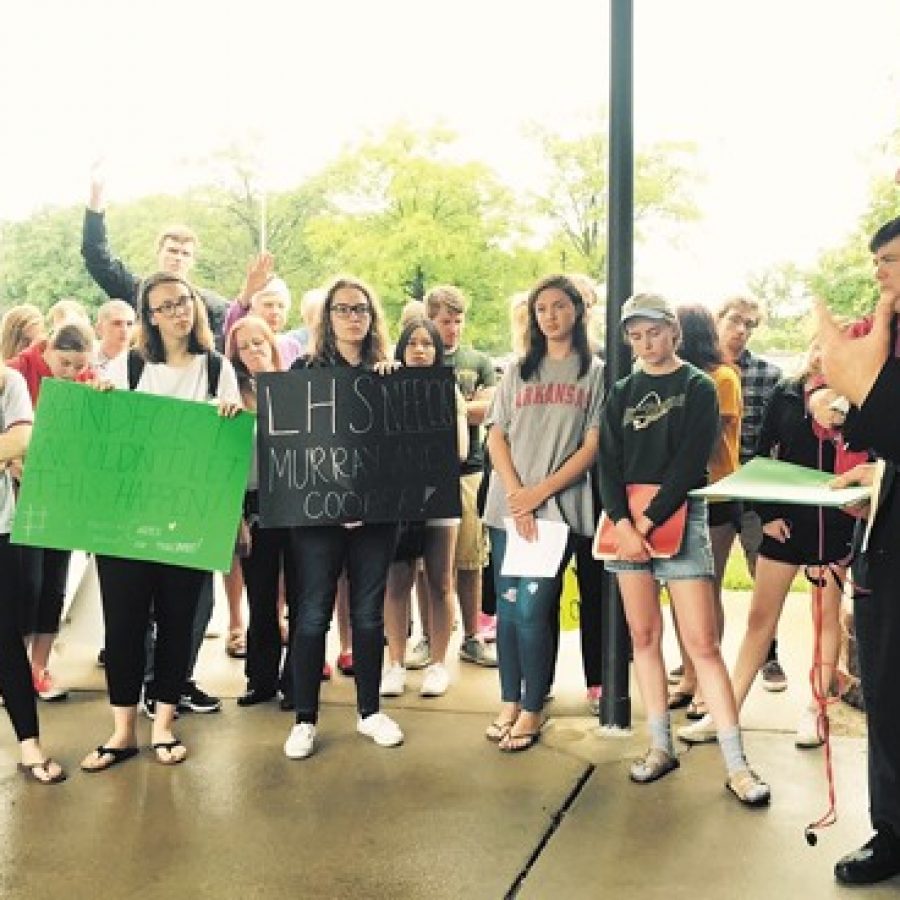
(444, 816)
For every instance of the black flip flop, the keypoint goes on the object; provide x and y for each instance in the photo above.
(530, 739)
(29, 772)
(170, 746)
(118, 754)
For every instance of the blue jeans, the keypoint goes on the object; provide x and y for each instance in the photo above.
(526, 619)
(321, 552)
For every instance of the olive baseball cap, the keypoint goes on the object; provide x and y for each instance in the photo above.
(647, 306)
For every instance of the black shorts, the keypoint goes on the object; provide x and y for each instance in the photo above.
(803, 548)
(727, 513)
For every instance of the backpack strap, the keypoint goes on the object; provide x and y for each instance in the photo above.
(135, 368)
(213, 371)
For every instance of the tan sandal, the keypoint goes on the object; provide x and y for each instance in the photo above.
(749, 788)
(498, 730)
(653, 765)
(236, 645)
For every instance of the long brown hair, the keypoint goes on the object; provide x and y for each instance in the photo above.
(149, 341)
(375, 343)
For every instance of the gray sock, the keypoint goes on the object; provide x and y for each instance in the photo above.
(732, 749)
(661, 733)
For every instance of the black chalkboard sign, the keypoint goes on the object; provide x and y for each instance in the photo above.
(344, 445)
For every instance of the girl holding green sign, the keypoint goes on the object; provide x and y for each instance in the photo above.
(173, 341)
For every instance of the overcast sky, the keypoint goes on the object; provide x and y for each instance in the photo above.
(787, 100)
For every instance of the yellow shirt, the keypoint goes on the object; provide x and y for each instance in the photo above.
(725, 456)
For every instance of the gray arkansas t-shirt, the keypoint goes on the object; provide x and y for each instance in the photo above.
(545, 420)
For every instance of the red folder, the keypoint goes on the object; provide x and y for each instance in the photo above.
(665, 540)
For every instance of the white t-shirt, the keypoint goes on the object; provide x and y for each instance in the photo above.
(15, 409)
(184, 383)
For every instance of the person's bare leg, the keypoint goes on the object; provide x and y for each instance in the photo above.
(830, 637)
(694, 608)
(233, 581)
(41, 647)
(468, 588)
(343, 614)
(423, 603)
(440, 548)
(721, 539)
(124, 735)
(396, 609)
(773, 580)
(640, 598)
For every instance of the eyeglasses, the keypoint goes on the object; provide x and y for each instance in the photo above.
(255, 343)
(171, 307)
(737, 319)
(345, 311)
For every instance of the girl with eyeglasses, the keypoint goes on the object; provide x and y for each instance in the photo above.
(351, 332)
(174, 340)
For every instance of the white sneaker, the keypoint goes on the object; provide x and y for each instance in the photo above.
(700, 732)
(808, 737)
(381, 728)
(301, 741)
(435, 682)
(419, 656)
(393, 681)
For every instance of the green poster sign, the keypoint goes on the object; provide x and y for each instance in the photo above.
(133, 475)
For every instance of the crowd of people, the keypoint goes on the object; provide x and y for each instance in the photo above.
(540, 441)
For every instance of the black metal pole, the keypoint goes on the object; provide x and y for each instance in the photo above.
(615, 707)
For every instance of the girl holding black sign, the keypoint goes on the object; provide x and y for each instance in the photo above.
(433, 541)
(543, 435)
(174, 341)
(658, 430)
(351, 332)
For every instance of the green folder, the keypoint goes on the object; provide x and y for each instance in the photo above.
(773, 481)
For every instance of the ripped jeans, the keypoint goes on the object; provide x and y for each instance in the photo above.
(526, 620)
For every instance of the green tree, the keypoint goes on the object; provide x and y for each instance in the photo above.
(576, 197)
(404, 215)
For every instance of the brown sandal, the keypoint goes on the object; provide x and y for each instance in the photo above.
(498, 730)
(236, 645)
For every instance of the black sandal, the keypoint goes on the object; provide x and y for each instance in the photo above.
(30, 771)
(117, 755)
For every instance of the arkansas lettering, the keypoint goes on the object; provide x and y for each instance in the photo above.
(552, 394)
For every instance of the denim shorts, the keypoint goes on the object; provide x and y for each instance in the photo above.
(693, 561)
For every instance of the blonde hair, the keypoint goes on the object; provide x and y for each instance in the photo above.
(67, 310)
(14, 326)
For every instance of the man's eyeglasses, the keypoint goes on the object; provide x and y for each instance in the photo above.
(737, 319)
(171, 307)
(345, 311)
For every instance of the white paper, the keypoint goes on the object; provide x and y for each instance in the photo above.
(534, 559)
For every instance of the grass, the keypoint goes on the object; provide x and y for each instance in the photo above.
(738, 578)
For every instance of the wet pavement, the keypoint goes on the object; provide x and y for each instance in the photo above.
(444, 816)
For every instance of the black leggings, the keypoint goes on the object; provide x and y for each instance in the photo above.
(129, 588)
(15, 671)
(270, 554)
(44, 575)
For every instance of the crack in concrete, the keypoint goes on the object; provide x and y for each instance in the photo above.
(555, 822)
